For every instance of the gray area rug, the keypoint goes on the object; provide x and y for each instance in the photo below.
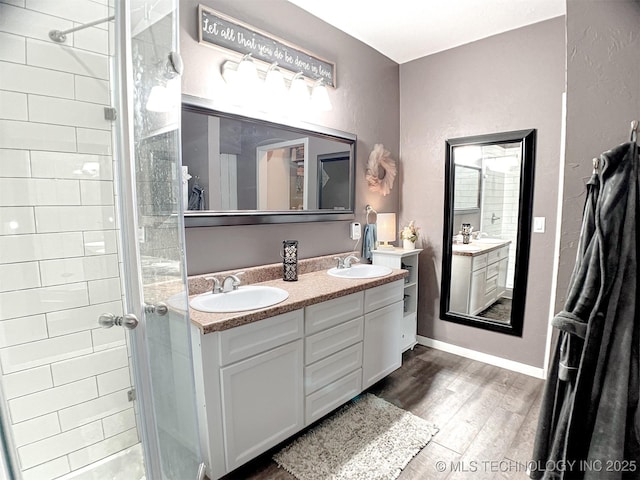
(501, 310)
(366, 439)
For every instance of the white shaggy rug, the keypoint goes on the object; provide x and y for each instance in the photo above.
(367, 439)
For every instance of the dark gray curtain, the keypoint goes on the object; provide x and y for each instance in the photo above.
(589, 425)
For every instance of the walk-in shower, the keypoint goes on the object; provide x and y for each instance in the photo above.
(90, 227)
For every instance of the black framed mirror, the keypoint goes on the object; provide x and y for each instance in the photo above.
(244, 170)
(487, 229)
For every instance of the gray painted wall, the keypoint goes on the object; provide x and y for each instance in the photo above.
(603, 97)
(366, 103)
(506, 82)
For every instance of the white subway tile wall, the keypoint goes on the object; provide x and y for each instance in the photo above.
(65, 379)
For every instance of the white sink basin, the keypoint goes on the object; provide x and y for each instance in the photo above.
(360, 271)
(248, 297)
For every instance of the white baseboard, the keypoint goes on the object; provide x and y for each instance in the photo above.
(482, 357)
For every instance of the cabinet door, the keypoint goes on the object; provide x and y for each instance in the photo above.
(262, 402)
(477, 296)
(502, 276)
(409, 328)
(382, 351)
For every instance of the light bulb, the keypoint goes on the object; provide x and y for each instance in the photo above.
(274, 89)
(299, 93)
(247, 72)
(320, 97)
(158, 99)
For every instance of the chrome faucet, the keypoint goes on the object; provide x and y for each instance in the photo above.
(217, 286)
(231, 282)
(348, 260)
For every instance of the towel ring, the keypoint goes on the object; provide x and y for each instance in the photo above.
(370, 209)
(633, 135)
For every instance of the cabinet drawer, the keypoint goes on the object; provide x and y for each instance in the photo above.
(334, 339)
(493, 256)
(333, 312)
(479, 262)
(504, 252)
(257, 337)
(332, 368)
(491, 285)
(492, 270)
(333, 395)
(381, 296)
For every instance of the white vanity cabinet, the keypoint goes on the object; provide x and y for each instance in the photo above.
(408, 260)
(478, 280)
(258, 384)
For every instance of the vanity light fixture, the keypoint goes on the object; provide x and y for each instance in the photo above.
(386, 229)
(272, 89)
(165, 96)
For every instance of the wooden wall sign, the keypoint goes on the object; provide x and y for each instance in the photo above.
(222, 31)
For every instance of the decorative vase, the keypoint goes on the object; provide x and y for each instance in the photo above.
(408, 244)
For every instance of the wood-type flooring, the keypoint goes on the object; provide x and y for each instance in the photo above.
(487, 418)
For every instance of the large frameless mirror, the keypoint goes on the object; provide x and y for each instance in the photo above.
(240, 170)
(487, 219)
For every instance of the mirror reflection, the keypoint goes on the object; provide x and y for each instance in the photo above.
(246, 166)
(487, 217)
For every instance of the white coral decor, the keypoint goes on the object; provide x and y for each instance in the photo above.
(381, 170)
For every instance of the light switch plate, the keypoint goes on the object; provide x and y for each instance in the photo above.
(538, 224)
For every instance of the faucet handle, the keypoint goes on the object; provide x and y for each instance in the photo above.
(217, 286)
(349, 260)
(340, 262)
(235, 281)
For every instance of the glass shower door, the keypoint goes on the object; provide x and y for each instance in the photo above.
(163, 347)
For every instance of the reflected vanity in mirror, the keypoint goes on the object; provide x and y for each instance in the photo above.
(487, 228)
(249, 171)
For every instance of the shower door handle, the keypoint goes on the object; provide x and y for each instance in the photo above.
(108, 320)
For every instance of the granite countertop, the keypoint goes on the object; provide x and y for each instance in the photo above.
(476, 248)
(311, 288)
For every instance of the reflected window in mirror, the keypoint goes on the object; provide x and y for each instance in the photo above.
(488, 202)
(251, 171)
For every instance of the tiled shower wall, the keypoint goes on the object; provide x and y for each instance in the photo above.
(502, 198)
(65, 380)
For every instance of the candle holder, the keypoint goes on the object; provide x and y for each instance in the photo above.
(290, 260)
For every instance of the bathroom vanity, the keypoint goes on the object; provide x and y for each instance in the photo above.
(478, 275)
(263, 375)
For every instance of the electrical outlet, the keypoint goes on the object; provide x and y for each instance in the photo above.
(354, 231)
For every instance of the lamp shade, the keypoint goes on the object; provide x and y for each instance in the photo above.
(386, 227)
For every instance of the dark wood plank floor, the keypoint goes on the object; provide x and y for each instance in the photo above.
(486, 415)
